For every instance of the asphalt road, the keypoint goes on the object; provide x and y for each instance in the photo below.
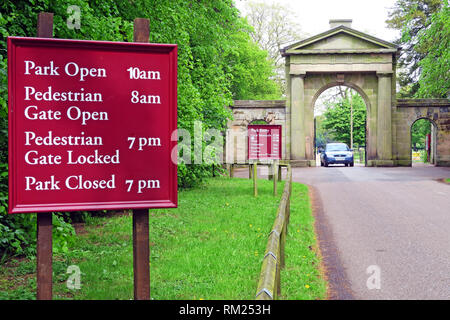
(384, 232)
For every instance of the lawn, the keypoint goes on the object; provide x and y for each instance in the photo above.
(210, 247)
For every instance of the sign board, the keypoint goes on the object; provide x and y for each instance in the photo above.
(90, 125)
(416, 156)
(264, 142)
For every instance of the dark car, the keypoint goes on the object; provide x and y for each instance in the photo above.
(336, 153)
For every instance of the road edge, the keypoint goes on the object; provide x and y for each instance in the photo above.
(338, 285)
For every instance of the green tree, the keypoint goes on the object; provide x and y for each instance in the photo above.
(411, 17)
(217, 61)
(323, 135)
(419, 131)
(435, 41)
(337, 116)
(274, 26)
(253, 71)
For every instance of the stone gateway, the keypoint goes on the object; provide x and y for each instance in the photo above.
(347, 57)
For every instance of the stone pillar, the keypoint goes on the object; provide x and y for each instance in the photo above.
(433, 144)
(298, 147)
(384, 132)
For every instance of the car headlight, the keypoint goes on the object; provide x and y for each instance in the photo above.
(329, 155)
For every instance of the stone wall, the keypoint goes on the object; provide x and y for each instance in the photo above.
(408, 111)
(246, 111)
(404, 113)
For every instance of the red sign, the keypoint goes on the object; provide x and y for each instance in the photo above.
(90, 125)
(264, 142)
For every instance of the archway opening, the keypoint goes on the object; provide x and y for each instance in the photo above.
(423, 142)
(258, 121)
(340, 116)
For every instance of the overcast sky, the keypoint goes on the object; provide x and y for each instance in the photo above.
(368, 16)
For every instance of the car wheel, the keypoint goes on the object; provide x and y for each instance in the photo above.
(351, 164)
(325, 164)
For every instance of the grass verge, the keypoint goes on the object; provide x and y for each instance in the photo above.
(210, 247)
(302, 278)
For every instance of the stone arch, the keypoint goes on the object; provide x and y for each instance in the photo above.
(413, 119)
(345, 84)
(342, 56)
(407, 112)
(306, 88)
(418, 114)
(258, 121)
(370, 132)
(345, 56)
(434, 136)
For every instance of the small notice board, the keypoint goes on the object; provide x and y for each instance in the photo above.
(264, 142)
(90, 125)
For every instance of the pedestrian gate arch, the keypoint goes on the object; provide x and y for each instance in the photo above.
(344, 56)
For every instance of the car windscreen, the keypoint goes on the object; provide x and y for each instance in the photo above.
(337, 147)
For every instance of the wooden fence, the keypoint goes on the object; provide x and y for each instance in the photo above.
(269, 282)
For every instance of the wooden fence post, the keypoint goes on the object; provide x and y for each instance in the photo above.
(269, 285)
(288, 205)
(141, 249)
(44, 252)
(275, 176)
(270, 172)
(255, 178)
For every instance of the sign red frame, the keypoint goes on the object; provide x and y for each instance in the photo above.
(261, 142)
(123, 121)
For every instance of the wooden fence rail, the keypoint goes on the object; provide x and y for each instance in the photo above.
(269, 282)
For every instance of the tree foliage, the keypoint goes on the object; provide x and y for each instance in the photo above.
(273, 27)
(217, 61)
(435, 40)
(419, 131)
(336, 118)
(412, 18)
(323, 136)
(252, 69)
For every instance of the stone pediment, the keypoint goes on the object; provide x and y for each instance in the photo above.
(341, 39)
